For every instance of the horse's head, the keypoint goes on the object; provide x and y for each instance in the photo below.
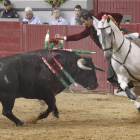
(106, 36)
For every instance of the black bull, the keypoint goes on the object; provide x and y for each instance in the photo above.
(26, 75)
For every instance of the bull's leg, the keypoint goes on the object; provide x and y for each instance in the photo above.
(7, 111)
(55, 112)
(50, 101)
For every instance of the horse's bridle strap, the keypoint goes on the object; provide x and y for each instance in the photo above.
(120, 45)
(104, 28)
(106, 49)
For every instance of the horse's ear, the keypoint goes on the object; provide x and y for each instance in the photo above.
(108, 19)
(96, 20)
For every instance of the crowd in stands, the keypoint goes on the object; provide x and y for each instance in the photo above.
(32, 19)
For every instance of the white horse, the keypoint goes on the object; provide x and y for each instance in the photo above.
(123, 54)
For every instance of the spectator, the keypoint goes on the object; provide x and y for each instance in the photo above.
(77, 10)
(58, 20)
(78, 21)
(30, 17)
(9, 13)
(127, 21)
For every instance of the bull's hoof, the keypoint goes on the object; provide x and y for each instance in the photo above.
(21, 124)
(55, 114)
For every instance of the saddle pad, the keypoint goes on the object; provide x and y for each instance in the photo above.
(136, 41)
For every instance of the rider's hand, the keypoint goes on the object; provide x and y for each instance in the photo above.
(57, 36)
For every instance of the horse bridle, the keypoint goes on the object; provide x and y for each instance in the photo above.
(123, 64)
(106, 49)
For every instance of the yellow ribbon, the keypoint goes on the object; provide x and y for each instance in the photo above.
(113, 20)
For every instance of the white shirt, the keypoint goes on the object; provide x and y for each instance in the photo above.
(73, 21)
(34, 20)
(95, 25)
(61, 21)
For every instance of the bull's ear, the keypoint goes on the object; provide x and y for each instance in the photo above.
(108, 19)
(96, 20)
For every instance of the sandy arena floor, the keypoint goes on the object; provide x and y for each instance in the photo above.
(82, 116)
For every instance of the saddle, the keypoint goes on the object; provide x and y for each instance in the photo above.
(136, 41)
(133, 37)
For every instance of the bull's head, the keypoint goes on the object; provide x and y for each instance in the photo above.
(87, 76)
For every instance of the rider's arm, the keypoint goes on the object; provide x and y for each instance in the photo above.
(76, 37)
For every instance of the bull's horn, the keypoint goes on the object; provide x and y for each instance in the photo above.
(97, 68)
(81, 63)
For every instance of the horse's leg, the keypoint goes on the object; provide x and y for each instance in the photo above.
(129, 94)
(123, 84)
(132, 98)
(136, 91)
(8, 104)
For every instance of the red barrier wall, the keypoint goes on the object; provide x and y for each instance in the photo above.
(11, 37)
(131, 27)
(17, 37)
(125, 7)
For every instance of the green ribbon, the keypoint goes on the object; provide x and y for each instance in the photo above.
(81, 51)
(46, 44)
(60, 46)
(51, 46)
(62, 81)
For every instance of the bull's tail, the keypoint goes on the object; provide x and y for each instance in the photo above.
(97, 68)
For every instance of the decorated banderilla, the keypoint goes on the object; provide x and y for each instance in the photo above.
(63, 70)
(55, 72)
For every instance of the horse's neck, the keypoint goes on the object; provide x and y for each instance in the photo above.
(120, 45)
(119, 38)
(121, 54)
